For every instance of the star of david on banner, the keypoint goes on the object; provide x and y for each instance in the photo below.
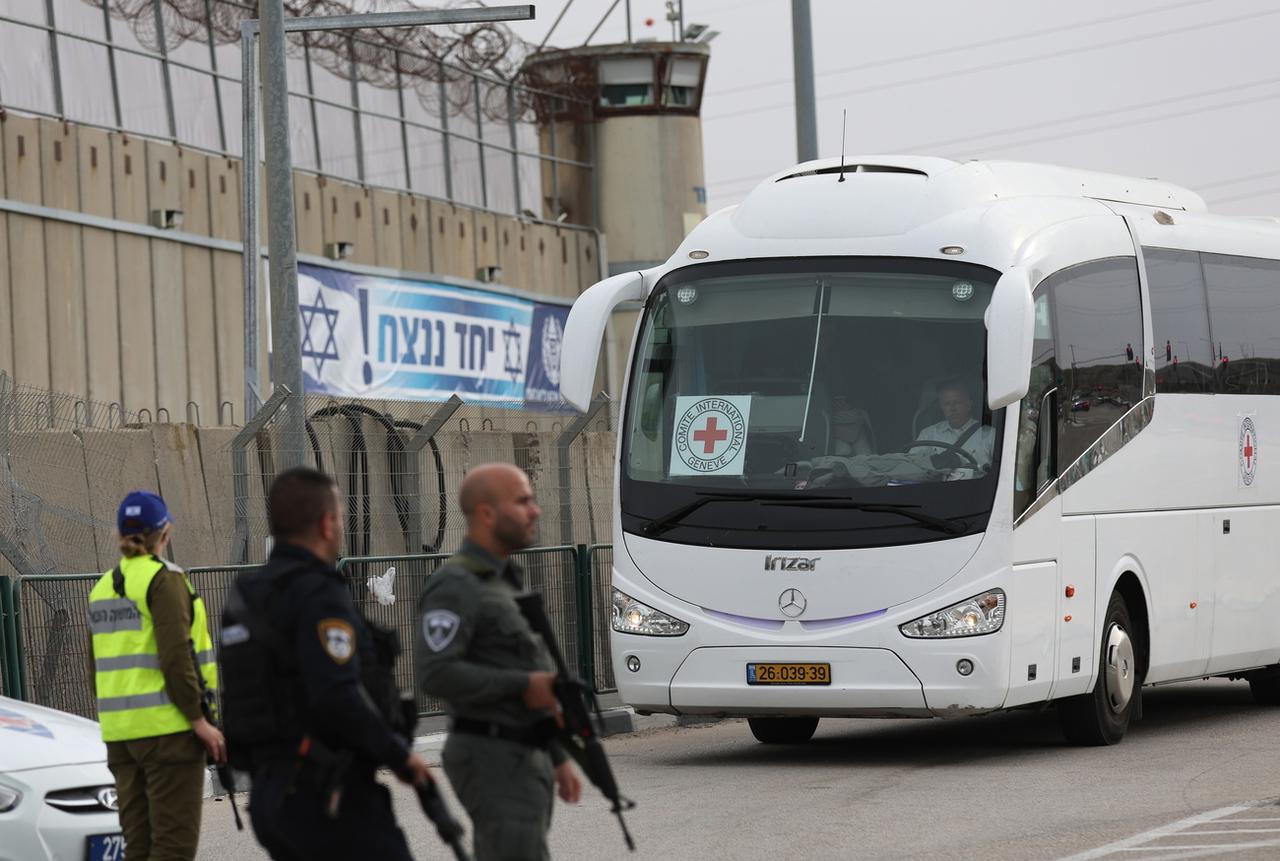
(329, 322)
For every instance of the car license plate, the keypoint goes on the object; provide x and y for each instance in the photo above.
(788, 674)
(106, 847)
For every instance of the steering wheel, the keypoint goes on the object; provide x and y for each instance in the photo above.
(947, 447)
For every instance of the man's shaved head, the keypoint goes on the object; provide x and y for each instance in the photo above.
(482, 485)
(497, 501)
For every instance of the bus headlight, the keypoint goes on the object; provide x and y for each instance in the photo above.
(981, 614)
(632, 617)
(9, 798)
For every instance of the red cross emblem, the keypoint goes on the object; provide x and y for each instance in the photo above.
(1248, 451)
(710, 435)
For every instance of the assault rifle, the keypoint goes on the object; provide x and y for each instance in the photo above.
(209, 708)
(330, 768)
(580, 736)
(429, 797)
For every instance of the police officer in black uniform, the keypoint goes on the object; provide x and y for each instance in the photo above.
(308, 712)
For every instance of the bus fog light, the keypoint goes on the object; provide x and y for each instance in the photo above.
(633, 663)
(964, 666)
(632, 617)
(981, 614)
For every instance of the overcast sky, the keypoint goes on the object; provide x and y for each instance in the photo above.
(1184, 90)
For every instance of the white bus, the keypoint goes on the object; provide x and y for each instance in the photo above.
(911, 437)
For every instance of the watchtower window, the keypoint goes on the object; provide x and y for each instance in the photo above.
(627, 82)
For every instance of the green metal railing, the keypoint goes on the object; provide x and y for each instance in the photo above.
(44, 641)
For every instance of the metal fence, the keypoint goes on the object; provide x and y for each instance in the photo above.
(66, 461)
(398, 465)
(44, 640)
(438, 115)
(599, 562)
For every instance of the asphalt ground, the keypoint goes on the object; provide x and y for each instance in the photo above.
(1198, 777)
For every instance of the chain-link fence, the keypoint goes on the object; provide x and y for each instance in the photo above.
(399, 464)
(44, 638)
(553, 571)
(64, 463)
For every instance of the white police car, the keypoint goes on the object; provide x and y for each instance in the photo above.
(57, 798)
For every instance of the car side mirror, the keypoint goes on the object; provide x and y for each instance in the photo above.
(584, 332)
(1010, 320)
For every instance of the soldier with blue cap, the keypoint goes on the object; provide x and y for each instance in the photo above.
(153, 662)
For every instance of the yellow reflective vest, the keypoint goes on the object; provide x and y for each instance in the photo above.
(132, 701)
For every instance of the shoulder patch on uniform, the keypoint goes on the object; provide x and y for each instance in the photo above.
(337, 638)
(439, 627)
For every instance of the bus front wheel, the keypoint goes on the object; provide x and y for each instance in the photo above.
(1102, 716)
(783, 730)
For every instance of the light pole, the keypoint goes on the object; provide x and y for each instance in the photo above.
(802, 57)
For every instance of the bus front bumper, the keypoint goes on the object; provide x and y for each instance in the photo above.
(865, 682)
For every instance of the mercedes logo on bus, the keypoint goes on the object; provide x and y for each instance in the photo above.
(792, 603)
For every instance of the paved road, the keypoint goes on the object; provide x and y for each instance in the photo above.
(1202, 770)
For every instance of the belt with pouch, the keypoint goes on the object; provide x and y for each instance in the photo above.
(538, 735)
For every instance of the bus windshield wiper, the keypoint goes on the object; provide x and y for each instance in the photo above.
(661, 524)
(949, 526)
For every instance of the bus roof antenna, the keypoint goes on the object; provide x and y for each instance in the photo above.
(844, 124)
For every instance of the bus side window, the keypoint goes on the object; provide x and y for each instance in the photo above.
(1097, 335)
(1186, 354)
(1244, 317)
(1035, 462)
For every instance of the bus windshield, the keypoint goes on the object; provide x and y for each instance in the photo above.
(811, 403)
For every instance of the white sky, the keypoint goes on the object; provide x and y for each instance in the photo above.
(1184, 90)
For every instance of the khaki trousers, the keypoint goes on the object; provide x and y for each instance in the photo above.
(160, 781)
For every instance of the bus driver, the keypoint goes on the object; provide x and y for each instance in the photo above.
(958, 426)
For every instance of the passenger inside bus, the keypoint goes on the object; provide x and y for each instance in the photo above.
(959, 431)
(851, 429)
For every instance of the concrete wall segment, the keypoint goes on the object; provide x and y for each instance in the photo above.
(387, 232)
(116, 462)
(168, 305)
(50, 465)
(181, 475)
(415, 233)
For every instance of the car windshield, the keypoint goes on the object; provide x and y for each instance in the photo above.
(859, 381)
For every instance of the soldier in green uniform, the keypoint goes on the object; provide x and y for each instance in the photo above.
(476, 651)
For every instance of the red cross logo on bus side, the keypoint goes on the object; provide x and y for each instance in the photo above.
(1248, 451)
(710, 435)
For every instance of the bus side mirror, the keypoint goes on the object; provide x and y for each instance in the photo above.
(584, 332)
(1010, 322)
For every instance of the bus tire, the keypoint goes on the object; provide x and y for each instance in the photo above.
(1102, 716)
(783, 730)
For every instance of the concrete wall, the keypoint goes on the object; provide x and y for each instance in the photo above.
(650, 170)
(158, 325)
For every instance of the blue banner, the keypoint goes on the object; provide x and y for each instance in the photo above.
(542, 375)
(371, 337)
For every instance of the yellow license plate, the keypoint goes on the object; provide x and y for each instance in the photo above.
(788, 674)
